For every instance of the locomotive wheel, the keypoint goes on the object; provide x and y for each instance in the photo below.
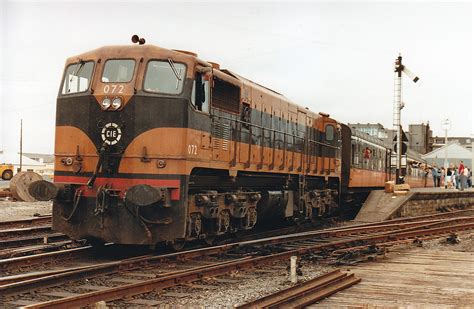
(209, 240)
(94, 242)
(178, 244)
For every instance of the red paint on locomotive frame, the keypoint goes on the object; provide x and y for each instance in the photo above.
(121, 184)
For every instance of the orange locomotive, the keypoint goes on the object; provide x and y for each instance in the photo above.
(158, 146)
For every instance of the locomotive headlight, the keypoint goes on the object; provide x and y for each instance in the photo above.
(116, 103)
(106, 103)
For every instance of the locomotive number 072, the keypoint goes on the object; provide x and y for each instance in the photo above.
(192, 149)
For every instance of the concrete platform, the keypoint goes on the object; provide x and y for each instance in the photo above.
(381, 206)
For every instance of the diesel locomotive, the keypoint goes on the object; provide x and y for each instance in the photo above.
(159, 146)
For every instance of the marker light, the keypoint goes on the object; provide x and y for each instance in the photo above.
(117, 103)
(106, 103)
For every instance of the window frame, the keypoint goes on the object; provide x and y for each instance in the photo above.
(64, 78)
(164, 93)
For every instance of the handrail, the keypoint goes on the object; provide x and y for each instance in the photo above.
(275, 131)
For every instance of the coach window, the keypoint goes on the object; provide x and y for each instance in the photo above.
(356, 153)
(200, 92)
(164, 77)
(77, 77)
(118, 71)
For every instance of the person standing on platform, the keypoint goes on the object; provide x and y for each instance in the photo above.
(462, 177)
(466, 173)
(435, 173)
(469, 177)
(448, 182)
(438, 177)
(455, 177)
(443, 177)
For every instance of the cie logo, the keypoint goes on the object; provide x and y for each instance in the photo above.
(111, 133)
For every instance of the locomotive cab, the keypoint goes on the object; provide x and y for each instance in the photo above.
(118, 109)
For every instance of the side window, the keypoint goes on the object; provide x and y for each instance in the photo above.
(77, 77)
(356, 153)
(200, 92)
(330, 133)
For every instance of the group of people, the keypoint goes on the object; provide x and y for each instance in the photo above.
(458, 177)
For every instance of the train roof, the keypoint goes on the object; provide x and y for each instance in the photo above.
(369, 138)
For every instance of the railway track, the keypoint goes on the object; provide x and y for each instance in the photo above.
(306, 293)
(31, 236)
(122, 279)
(27, 240)
(42, 220)
(18, 265)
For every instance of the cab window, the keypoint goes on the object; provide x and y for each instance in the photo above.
(164, 77)
(118, 71)
(77, 77)
(200, 93)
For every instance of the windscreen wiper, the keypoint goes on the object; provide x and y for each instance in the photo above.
(178, 76)
(79, 67)
(77, 70)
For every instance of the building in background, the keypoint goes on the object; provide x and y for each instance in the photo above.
(454, 151)
(419, 135)
(41, 164)
(47, 160)
(438, 141)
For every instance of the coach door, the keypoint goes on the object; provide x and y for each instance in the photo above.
(331, 136)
